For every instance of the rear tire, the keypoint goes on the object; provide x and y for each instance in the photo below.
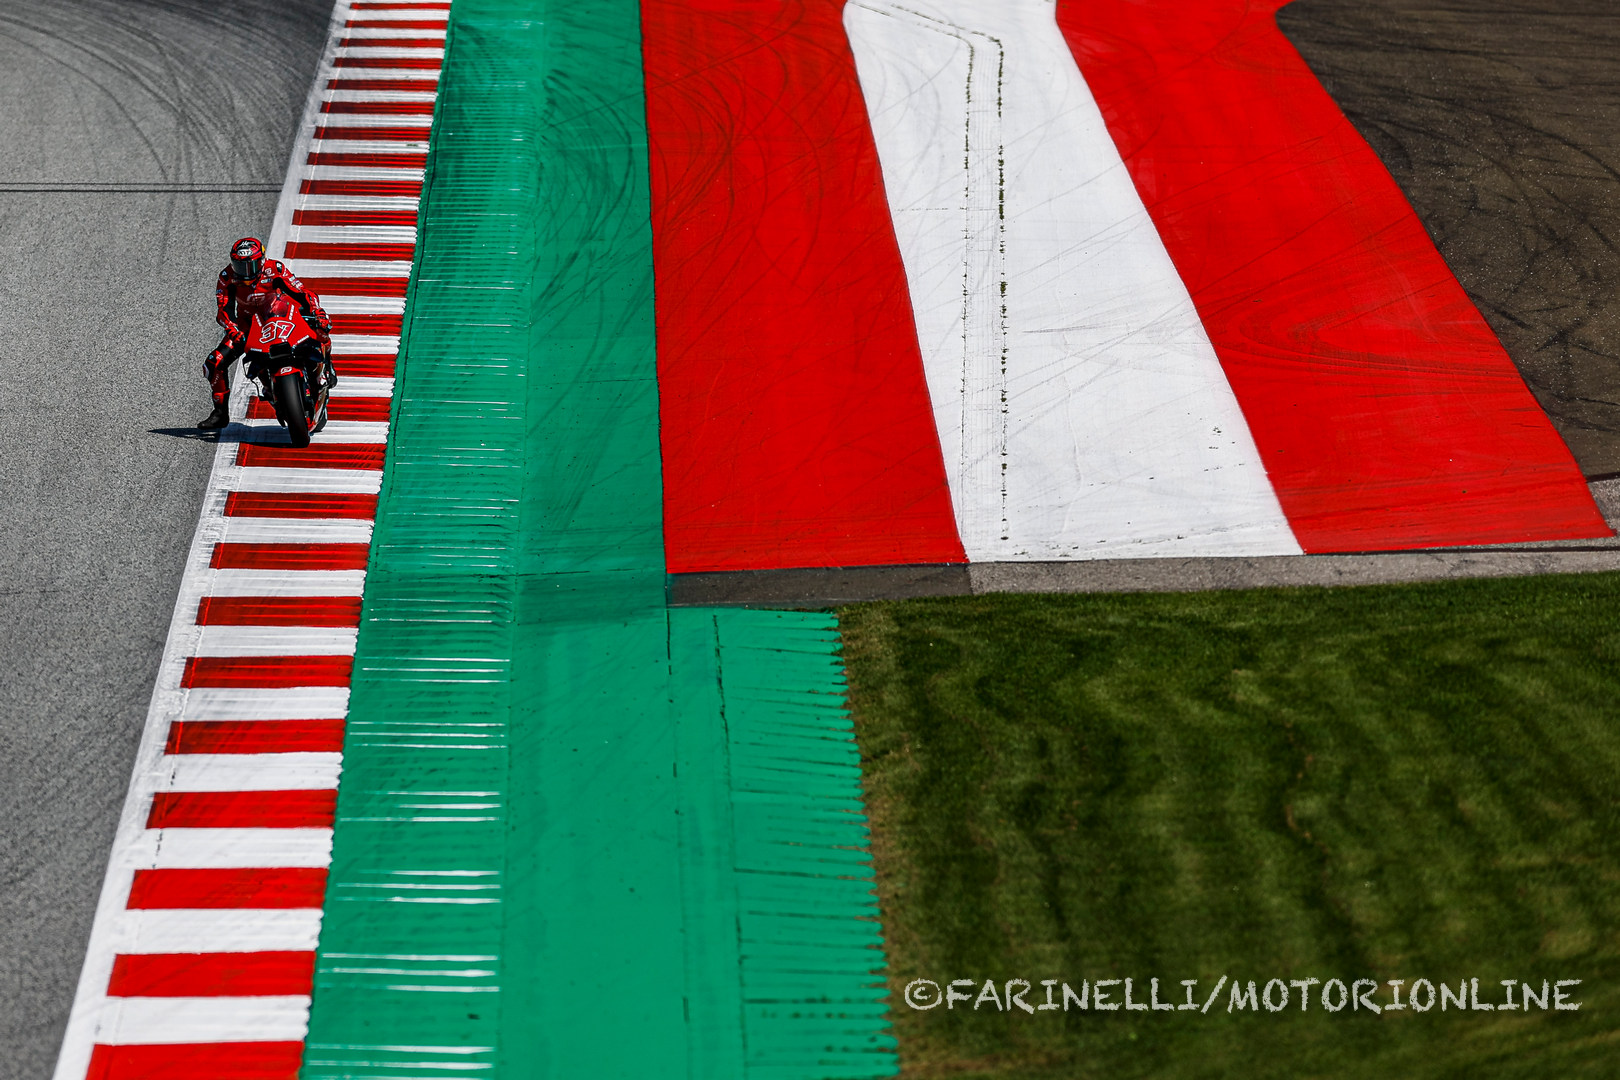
(290, 404)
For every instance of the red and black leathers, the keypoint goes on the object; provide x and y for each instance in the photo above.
(238, 300)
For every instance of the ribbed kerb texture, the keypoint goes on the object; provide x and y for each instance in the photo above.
(579, 833)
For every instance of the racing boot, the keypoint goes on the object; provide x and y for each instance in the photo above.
(216, 419)
(217, 369)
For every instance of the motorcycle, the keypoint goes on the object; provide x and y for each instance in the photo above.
(285, 358)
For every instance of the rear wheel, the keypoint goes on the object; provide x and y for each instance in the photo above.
(290, 405)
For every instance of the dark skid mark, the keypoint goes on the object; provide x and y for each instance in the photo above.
(1500, 120)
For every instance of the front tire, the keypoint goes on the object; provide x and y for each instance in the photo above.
(290, 404)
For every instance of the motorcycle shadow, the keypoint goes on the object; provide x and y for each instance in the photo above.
(191, 433)
(233, 432)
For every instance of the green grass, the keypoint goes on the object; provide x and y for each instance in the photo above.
(1393, 783)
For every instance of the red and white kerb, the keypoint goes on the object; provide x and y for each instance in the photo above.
(202, 958)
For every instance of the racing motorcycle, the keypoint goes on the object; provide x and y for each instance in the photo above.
(284, 357)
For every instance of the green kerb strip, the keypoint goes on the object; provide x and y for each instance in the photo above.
(579, 834)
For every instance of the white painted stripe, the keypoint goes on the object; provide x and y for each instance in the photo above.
(390, 15)
(270, 530)
(353, 234)
(358, 172)
(379, 95)
(282, 583)
(95, 1017)
(339, 145)
(251, 772)
(237, 703)
(358, 387)
(400, 268)
(363, 305)
(336, 143)
(342, 481)
(388, 73)
(396, 203)
(335, 124)
(390, 52)
(274, 641)
(350, 267)
(269, 433)
(147, 1021)
(194, 849)
(381, 117)
(211, 930)
(360, 33)
(1085, 415)
(363, 343)
(438, 24)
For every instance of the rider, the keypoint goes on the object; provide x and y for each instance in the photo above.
(246, 286)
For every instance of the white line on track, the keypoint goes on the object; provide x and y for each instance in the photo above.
(405, 203)
(396, 15)
(300, 703)
(143, 1021)
(388, 73)
(274, 641)
(352, 234)
(225, 849)
(368, 33)
(313, 268)
(363, 305)
(358, 34)
(384, 52)
(282, 583)
(335, 481)
(354, 386)
(254, 530)
(338, 145)
(344, 344)
(252, 772)
(216, 930)
(336, 122)
(361, 172)
(379, 95)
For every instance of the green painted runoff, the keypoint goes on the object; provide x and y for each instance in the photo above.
(579, 833)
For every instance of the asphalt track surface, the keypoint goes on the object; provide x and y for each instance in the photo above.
(1500, 119)
(139, 138)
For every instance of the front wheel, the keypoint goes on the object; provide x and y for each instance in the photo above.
(290, 405)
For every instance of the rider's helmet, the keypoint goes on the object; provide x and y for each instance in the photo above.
(247, 258)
